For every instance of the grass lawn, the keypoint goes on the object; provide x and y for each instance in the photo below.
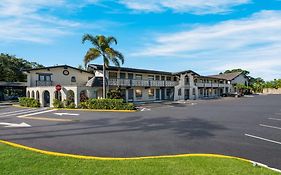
(19, 161)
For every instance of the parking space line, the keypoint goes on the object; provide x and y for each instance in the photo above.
(277, 119)
(48, 119)
(5, 113)
(268, 126)
(24, 112)
(41, 112)
(264, 139)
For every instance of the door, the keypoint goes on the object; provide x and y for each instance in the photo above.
(186, 94)
(162, 94)
(157, 94)
(46, 95)
(130, 94)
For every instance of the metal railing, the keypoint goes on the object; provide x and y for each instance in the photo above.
(143, 83)
(211, 85)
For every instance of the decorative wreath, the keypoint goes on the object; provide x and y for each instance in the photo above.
(65, 72)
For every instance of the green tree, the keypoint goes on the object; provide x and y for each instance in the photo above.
(102, 48)
(11, 68)
(245, 72)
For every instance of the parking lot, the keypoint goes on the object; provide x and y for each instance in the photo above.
(248, 127)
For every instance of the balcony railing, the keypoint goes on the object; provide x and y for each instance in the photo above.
(44, 83)
(143, 83)
(211, 85)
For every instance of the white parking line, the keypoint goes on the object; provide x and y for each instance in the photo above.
(24, 112)
(277, 119)
(10, 112)
(41, 112)
(268, 126)
(264, 139)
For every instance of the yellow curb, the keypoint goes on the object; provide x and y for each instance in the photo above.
(113, 158)
(96, 110)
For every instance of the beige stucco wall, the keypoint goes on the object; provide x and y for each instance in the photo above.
(272, 91)
(58, 77)
(90, 92)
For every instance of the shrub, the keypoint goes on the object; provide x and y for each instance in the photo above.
(29, 102)
(116, 104)
(69, 104)
(114, 94)
(57, 103)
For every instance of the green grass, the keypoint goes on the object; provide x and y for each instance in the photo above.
(18, 161)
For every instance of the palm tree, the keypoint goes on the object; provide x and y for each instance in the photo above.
(102, 49)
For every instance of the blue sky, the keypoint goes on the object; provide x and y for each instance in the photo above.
(207, 36)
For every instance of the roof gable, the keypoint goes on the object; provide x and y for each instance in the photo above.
(53, 67)
(227, 76)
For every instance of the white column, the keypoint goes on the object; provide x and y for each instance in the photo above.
(41, 100)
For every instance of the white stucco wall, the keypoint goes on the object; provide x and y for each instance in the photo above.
(58, 77)
(90, 92)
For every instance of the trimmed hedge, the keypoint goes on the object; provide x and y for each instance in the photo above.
(57, 103)
(115, 104)
(29, 102)
(63, 104)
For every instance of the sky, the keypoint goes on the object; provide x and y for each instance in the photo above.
(206, 36)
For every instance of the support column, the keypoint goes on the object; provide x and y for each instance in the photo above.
(52, 97)
(41, 98)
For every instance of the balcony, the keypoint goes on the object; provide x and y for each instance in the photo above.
(142, 83)
(44, 83)
(211, 85)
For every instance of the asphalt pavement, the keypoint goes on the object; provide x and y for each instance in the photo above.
(248, 127)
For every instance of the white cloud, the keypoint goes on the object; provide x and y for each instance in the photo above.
(252, 43)
(37, 21)
(186, 6)
(23, 20)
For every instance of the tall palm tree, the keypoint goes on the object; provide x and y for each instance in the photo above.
(102, 48)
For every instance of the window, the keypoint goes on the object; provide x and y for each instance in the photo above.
(157, 77)
(186, 80)
(169, 93)
(179, 92)
(150, 93)
(169, 78)
(138, 93)
(73, 79)
(44, 77)
(122, 75)
(162, 78)
(150, 77)
(138, 76)
(112, 75)
(130, 76)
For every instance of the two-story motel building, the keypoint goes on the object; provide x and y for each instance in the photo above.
(137, 85)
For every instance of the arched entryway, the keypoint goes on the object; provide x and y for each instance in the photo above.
(46, 99)
(32, 94)
(58, 95)
(28, 94)
(70, 96)
(84, 96)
